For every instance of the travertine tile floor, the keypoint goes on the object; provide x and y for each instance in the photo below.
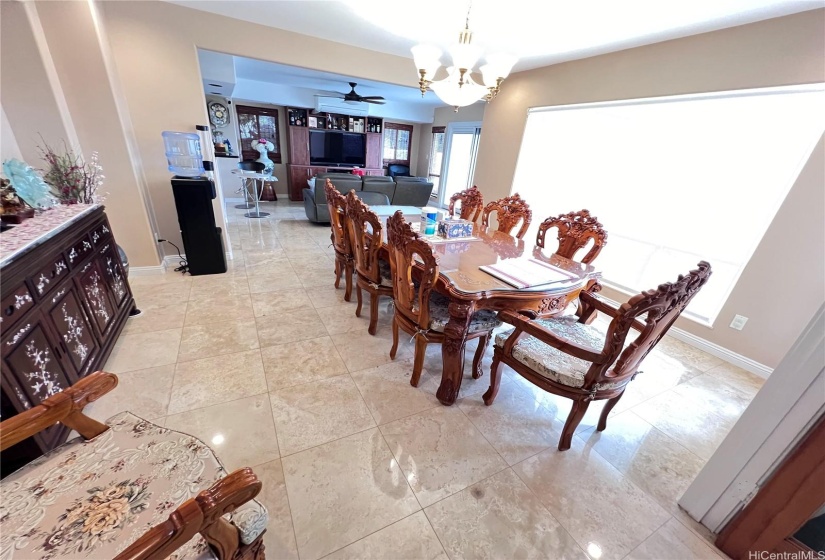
(269, 366)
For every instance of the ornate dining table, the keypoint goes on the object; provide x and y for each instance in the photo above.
(470, 289)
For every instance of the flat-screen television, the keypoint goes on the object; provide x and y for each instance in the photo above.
(333, 147)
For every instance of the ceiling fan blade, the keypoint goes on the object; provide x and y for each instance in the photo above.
(376, 101)
(365, 97)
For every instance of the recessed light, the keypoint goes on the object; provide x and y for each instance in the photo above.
(216, 85)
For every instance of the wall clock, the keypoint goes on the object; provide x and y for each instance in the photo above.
(218, 114)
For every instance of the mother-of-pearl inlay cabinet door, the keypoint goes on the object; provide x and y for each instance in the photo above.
(65, 300)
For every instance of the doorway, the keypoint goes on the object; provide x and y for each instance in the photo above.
(459, 159)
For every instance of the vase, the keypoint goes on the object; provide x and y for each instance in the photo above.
(269, 165)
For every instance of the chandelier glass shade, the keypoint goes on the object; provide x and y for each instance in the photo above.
(459, 89)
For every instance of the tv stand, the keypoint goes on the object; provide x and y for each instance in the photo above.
(299, 168)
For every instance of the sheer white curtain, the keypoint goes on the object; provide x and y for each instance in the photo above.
(674, 180)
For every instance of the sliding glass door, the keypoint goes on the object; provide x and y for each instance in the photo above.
(459, 160)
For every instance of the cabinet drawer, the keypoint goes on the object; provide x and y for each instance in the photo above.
(79, 251)
(14, 306)
(101, 234)
(49, 276)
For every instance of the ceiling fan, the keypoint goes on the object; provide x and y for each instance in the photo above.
(354, 97)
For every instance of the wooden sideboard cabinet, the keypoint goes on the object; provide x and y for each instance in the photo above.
(65, 300)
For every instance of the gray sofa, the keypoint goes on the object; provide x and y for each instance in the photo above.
(373, 190)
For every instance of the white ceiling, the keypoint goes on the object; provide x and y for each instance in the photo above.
(538, 32)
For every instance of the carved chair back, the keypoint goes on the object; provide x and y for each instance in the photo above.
(365, 232)
(511, 210)
(337, 205)
(575, 230)
(472, 203)
(405, 245)
(652, 313)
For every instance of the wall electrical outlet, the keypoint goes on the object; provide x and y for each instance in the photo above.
(738, 322)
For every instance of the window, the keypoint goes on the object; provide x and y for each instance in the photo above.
(397, 143)
(436, 158)
(674, 180)
(255, 123)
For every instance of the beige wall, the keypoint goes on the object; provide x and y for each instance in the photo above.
(8, 143)
(155, 47)
(73, 43)
(783, 284)
(29, 101)
(442, 117)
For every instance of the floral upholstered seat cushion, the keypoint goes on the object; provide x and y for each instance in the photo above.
(551, 362)
(484, 320)
(92, 499)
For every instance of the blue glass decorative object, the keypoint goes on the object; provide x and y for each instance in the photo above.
(28, 185)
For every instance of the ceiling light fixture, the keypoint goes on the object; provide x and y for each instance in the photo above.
(458, 88)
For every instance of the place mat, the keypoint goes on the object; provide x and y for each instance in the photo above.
(527, 272)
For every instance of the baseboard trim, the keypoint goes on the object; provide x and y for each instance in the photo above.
(135, 271)
(713, 349)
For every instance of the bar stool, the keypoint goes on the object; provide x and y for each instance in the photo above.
(248, 166)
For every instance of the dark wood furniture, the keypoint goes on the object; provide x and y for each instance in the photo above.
(471, 289)
(574, 231)
(299, 169)
(509, 212)
(340, 237)
(472, 203)
(365, 234)
(416, 306)
(574, 367)
(64, 304)
(782, 506)
(202, 514)
(255, 123)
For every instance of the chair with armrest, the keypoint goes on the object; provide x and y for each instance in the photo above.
(315, 199)
(337, 208)
(419, 310)
(472, 203)
(412, 191)
(372, 272)
(510, 211)
(575, 360)
(398, 170)
(127, 489)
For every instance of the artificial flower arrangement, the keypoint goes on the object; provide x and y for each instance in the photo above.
(73, 180)
(263, 146)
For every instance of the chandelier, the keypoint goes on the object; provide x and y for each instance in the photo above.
(458, 88)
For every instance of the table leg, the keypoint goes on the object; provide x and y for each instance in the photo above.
(257, 213)
(246, 205)
(452, 352)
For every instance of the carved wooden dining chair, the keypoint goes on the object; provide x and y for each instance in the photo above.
(575, 230)
(127, 489)
(472, 203)
(577, 361)
(509, 212)
(425, 323)
(337, 206)
(372, 273)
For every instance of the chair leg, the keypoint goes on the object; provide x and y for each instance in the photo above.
(418, 361)
(348, 280)
(358, 296)
(482, 346)
(608, 406)
(495, 381)
(338, 272)
(573, 420)
(394, 348)
(373, 313)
